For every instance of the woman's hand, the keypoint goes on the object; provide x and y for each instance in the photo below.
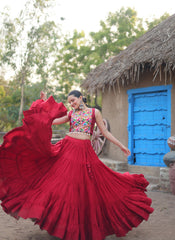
(43, 95)
(126, 151)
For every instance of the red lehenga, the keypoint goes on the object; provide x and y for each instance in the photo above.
(65, 187)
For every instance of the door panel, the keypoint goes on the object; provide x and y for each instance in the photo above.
(149, 125)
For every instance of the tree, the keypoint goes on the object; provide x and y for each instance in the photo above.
(156, 21)
(78, 55)
(68, 65)
(39, 56)
(29, 44)
(119, 30)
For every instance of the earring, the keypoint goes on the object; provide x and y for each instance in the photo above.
(81, 106)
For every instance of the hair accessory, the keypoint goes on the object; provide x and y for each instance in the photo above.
(85, 100)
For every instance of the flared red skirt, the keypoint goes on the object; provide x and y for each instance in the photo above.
(72, 195)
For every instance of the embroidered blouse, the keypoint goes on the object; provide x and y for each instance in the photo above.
(82, 121)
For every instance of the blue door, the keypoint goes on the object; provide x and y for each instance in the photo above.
(149, 125)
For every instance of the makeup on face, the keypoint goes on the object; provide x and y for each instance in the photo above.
(74, 101)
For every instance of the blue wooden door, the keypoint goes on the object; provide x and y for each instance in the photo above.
(149, 125)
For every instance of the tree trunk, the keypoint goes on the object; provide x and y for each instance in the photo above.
(20, 116)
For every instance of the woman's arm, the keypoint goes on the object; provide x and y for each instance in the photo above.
(107, 134)
(60, 120)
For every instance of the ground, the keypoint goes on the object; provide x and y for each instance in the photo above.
(160, 226)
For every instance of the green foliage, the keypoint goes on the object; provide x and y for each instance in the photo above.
(29, 43)
(39, 57)
(9, 107)
(118, 31)
(68, 65)
(2, 92)
(156, 21)
(10, 103)
(8, 40)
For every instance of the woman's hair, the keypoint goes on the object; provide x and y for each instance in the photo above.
(77, 94)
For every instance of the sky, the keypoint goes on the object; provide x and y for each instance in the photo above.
(86, 15)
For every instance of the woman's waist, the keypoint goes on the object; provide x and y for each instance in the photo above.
(79, 135)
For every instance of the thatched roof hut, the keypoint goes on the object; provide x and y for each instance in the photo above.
(154, 51)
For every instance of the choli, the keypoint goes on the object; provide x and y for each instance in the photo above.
(82, 121)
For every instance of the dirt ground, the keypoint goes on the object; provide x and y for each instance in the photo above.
(160, 226)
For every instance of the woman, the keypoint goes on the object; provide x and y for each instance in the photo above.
(64, 187)
(76, 102)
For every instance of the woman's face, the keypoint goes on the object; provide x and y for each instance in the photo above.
(74, 101)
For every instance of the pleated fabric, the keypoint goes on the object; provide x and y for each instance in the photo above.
(64, 186)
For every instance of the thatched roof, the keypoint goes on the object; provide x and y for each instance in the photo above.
(154, 51)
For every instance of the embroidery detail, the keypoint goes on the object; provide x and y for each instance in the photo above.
(81, 121)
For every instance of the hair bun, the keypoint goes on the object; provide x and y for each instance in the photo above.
(84, 99)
